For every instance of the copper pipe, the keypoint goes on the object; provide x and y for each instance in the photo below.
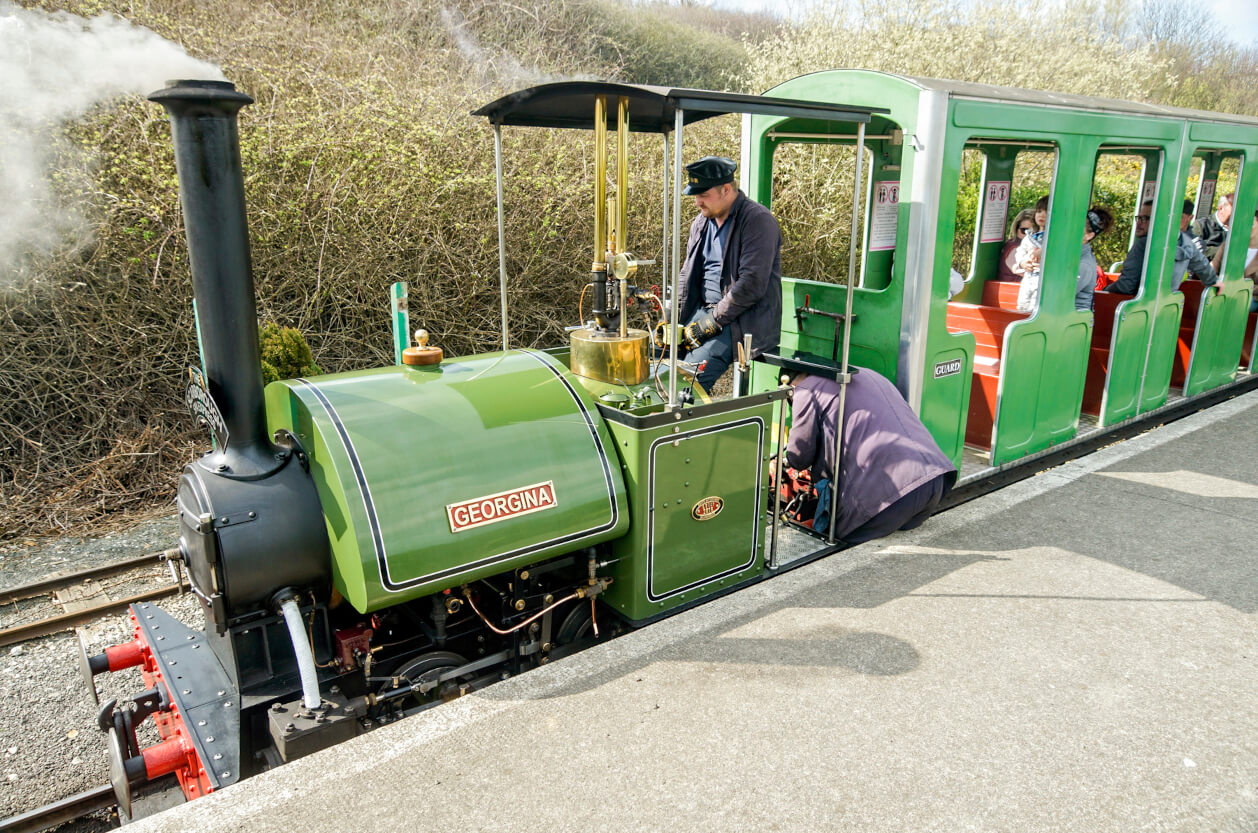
(622, 172)
(467, 594)
(622, 203)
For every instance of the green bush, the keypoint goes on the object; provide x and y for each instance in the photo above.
(362, 168)
(285, 354)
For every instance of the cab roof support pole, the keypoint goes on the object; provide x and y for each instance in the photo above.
(502, 234)
(675, 265)
(664, 259)
(844, 374)
(622, 202)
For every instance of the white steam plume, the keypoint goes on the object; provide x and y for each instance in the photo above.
(496, 65)
(54, 68)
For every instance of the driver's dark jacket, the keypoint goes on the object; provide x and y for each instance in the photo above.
(751, 275)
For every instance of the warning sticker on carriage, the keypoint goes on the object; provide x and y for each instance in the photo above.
(995, 210)
(948, 368)
(883, 216)
(502, 506)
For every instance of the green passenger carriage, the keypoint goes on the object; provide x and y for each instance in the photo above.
(1024, 381)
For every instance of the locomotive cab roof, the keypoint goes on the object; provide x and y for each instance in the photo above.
(570, 104)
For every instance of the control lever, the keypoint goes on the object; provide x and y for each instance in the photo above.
(743, 363)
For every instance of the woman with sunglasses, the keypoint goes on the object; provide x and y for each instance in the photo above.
(1022, 225)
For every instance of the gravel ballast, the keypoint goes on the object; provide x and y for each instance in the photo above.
(50, 746)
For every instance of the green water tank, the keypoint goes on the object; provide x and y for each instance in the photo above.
(433, 476)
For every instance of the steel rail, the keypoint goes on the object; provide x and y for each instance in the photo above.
(59, 812)
(57, 582)
(66, 621)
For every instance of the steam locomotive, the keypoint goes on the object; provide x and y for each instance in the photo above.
(366, 545)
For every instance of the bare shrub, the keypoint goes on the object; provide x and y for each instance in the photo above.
(362, 168)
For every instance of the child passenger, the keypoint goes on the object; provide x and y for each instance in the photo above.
(1030, 257)
(1027, 263)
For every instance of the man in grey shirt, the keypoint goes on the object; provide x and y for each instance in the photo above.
(1187, 255)
(892, 474)
(1212, 229)
(730, 283)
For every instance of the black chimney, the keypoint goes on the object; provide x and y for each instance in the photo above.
(211, 188)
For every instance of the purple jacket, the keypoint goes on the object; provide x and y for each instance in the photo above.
(751, 275)
(887, 452)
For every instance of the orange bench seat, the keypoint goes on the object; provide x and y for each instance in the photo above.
(988, 324)
(1104, 308)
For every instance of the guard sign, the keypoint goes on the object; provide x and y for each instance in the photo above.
(948, 368)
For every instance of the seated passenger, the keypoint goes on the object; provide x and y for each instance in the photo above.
(1022, 225)
(1098, 221)
(1212, 230)
(892, 474)
(1041, 213)
(1186, 235)
(1187, 255)
(1251, 263)
(1128, 282)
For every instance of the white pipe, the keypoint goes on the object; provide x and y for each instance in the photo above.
(305, 657)
(844, 369)
(664, 273)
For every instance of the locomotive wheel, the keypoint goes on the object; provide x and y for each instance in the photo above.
(427, 668)
(578, 626)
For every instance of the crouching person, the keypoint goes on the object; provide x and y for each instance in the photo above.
(892, 474)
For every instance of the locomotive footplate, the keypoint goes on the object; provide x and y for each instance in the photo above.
(203, 706)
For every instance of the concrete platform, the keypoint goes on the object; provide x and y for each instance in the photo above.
(1077, 652)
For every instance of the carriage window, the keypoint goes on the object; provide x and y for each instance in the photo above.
(999, 185)
(1126, 179)
(968, 188)
(812, 200)
(1215, 191)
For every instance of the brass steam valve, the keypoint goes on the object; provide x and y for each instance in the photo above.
(422, 354)
(623, 265)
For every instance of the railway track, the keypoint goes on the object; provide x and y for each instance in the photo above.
(67, 809)
(79, 611)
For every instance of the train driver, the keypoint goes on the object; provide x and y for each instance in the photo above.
(1187, 255)
(731, 280)
(892, 474)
